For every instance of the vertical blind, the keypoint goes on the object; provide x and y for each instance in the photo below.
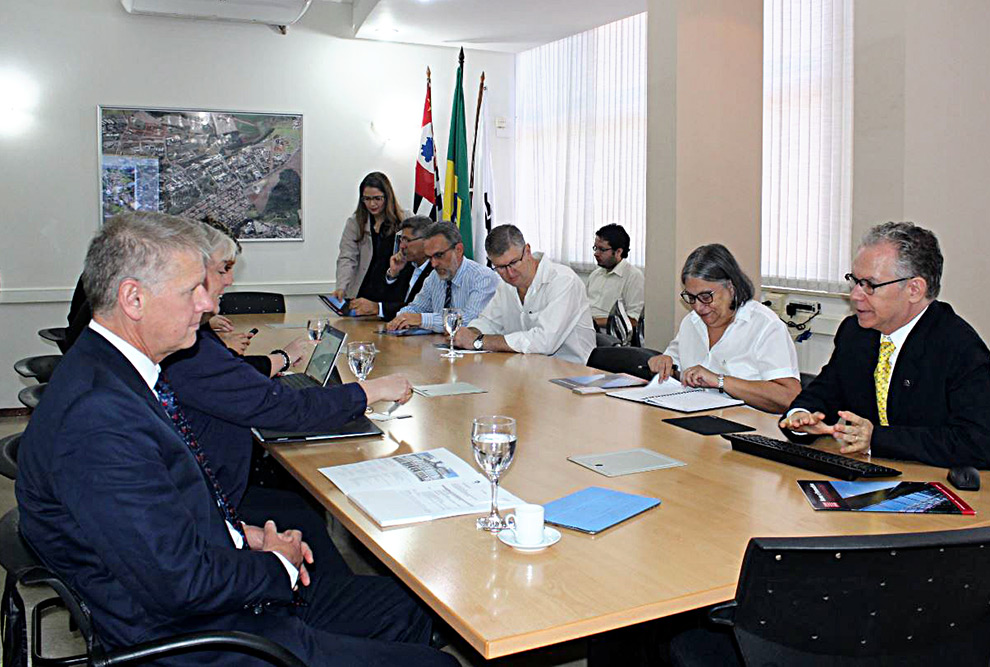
(807, 143)
(581, 140)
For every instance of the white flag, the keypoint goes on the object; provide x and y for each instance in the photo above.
(483, 197)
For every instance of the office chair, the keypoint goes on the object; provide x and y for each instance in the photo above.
(911, 599)
(31, 396)
(39, 368)
(630, 360)
(24, 567)
(604, 340)
(251, 303)
(57, 336)
(8, 455)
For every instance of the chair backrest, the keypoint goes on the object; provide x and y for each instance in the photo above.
(39, 368)
(619, 325)
(31, 396)
(251, 303)
(8, 455)
(56, 335)
(630, 360)
(907, 599)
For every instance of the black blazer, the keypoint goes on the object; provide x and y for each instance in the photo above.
(938, 402)
(395, 297)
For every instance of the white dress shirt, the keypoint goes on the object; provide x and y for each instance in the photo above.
(606, 286)
(755, 346)
(554, 319)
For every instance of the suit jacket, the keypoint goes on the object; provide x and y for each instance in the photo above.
(938, 400)
(398, 295)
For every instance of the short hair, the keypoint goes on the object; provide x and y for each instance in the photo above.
(419, 224)
(715, 264)
(139, 245)
(218, 242)
(918, 252)
(446, 230)
(503, 237)
(224, 229)
(616, 236)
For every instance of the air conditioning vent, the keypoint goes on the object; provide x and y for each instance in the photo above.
(270, 12)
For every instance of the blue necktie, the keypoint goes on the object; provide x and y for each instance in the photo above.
(448, 299)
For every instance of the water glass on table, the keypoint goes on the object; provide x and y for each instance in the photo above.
(493, 439)
(452, 320)
(316, 327)
(361, 358)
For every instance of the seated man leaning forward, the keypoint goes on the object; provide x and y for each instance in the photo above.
(456, 282)
(118, 499)
(730, 341)
(539, 308)
(908, 378)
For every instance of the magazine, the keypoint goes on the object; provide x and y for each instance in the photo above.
(598, 383)
(887, 496)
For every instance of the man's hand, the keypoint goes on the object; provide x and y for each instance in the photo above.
(290, 544)
(464, 338)
(337, 293)
(364, 306)
(698, 376)
(298, 348)
(388, 388)
(855, 434)
(803, 421)
(221, 324)
(238, 342)
(663, 365)
(396, 263)
(405, 321)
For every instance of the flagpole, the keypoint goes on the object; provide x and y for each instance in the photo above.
(477, 118)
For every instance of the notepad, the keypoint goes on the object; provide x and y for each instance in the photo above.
(672, 395)
(626, 462)
(595, 509)
(447, 389)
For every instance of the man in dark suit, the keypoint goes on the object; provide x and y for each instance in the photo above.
(407, 271)
(116, 498)
(909, 378)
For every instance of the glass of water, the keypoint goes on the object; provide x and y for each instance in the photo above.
(493, 440)
(316, 327)
(361, 359)
(452, 319)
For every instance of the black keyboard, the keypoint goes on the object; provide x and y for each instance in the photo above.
(297, 381)
(826, 463)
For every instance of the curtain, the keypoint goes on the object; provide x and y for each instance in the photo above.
(807, 143)
(581, 141)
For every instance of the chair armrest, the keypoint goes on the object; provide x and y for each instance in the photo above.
(241, 642)
(723, 614)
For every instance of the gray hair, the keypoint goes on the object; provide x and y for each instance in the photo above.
(446, 230)
(918, 252)
(138, 245)
(419, 224)
(218, 242)
(503, 237)
(714, 263)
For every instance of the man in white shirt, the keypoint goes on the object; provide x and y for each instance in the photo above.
(539, 307)
(615, 278)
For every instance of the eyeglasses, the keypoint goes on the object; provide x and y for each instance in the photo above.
(502, 268)
(437, 256)
(868, 286)
(409, 239)
(601, 249)
(705, 297)
(373, 198)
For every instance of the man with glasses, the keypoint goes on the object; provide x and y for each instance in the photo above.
(909, 378)
(456, 282)
(615, 277)
(407, 271)
(539, 308)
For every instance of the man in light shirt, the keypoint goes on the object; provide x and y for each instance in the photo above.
(615, 278)
(539, 307)
(909, 378)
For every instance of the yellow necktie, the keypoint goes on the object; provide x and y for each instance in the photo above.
(881, 377)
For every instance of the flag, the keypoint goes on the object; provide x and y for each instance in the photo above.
(457, 186)
(482, 177)
(427, 199)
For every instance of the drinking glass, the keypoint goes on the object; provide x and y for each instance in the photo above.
(451, 323)
(316, 327)
(361, 358)
(493, 440)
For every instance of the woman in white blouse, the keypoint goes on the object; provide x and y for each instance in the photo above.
(729, 341)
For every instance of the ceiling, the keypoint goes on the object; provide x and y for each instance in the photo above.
(494, 25)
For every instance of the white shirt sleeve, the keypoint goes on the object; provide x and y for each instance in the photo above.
(488, 321)
(289, 567)
(774, 353)
(555, 322)
(634, 294)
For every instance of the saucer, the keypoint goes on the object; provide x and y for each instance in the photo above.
(550, 537)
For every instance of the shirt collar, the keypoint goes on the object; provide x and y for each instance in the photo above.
(620, 269)
(899, 337)
(460, 272)
(542, 269)
(146, 368)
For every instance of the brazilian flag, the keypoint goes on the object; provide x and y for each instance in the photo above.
(457, 186)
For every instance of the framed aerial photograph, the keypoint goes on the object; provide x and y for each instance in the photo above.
(242, 168)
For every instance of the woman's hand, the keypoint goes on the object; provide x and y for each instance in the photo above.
(662, 365)
(699, 376)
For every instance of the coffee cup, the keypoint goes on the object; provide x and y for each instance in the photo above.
(526, 522)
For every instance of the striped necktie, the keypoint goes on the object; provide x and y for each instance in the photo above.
(448, 299)
(881, 377)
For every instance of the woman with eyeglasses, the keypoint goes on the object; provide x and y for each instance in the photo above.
(368, 240)
(729, 341)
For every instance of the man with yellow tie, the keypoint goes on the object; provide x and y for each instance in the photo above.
(908, 378)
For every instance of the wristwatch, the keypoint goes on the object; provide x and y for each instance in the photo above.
(479, 343)
(721, 383)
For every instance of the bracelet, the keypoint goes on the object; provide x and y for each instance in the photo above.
(285, 356)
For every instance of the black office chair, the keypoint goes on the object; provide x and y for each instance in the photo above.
(31, 396)
(630, 360)
(251, 303)
(912, 599)
(8, 455)
(57, 336)
(604, 340)
(24, 567)
(39, 368)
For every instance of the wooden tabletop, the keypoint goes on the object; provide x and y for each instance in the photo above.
(680, 556)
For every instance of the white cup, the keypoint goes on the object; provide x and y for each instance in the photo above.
(527, 523)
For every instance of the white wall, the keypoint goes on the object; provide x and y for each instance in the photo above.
(362, 104)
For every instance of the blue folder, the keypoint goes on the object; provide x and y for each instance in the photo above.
(594, 509)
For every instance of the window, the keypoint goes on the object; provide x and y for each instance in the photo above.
(807, 143)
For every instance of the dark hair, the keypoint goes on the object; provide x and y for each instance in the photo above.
(418, 223)
(616, 236)
(503, 237)
(445, 229)
(918, 253)
(715, 264)
(393, 218)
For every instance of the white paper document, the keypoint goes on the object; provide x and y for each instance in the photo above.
(447, 389)
(410, 488)
(672, 395)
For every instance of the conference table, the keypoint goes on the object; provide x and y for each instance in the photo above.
(683, 555)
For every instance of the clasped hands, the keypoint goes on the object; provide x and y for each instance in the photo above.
(288, 543)
(854, 435)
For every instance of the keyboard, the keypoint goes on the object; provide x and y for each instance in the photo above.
(297, 381)
(826, 463)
